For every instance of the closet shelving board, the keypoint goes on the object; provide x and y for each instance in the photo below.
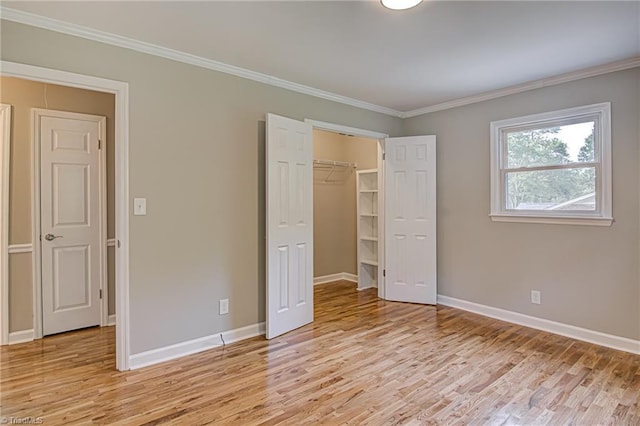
(367, 229)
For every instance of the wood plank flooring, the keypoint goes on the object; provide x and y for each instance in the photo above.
(363, 361)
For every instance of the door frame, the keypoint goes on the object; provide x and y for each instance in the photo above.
(380, 137)
(36, 215)
(121, 91)
(5, 122)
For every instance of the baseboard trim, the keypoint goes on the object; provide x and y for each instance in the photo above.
(190, 347)
(20, 337)
(335, 277)
(111, 320)
(578, 333)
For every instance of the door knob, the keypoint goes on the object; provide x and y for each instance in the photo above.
(51, 237)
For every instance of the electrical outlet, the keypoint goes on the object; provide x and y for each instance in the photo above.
(535, 297)
(224, 306)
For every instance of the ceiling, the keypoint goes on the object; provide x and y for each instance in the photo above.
(434, 53)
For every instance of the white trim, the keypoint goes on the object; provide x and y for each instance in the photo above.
(552, 220)
(20, 248)
(121, 92)
(601, 114)
(5, 150)
(122, 226)
(338, 128)
(31, 19)
(381, 218)
(36, 263)
(525, 87)
(111, 242)
(341, 276)
(111, 320)
(190, 347)
(51, 24)
(20, 337)
(578, 333)
(175, 55)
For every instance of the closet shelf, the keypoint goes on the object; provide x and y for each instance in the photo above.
(368, 242)
(332, 172)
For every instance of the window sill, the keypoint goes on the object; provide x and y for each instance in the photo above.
(555, 220)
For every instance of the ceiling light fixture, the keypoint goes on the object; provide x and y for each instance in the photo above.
(400, 4)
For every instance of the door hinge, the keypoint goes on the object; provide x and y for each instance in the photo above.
(100, 293)
(384, 272)
(99, 144)
(118, 243)
(384, 156)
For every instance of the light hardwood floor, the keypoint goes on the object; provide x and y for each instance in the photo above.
(363, 361)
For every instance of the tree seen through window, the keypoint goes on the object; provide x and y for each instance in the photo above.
(536, 183)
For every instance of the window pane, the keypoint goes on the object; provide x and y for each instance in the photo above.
(562, 189)
(551, 145)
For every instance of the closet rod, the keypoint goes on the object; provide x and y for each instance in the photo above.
(334, 163)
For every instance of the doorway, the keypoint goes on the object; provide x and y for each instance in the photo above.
(289, 219)
(406, 214)
(58, 173)
(345, 211)
(120, 258)
(369, 218)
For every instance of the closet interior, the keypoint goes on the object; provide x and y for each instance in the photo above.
(345, 202)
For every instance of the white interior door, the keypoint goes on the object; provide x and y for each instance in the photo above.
(70, 220)
(289, 198)
(410, 219)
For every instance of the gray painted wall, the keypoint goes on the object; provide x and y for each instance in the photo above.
(588, 275)
(197, 155)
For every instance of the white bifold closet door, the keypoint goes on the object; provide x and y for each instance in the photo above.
(289, 199)
(410, 219)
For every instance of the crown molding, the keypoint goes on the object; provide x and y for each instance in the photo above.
(536, 84)
(56, 25)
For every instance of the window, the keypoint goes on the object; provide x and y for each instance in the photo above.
(553, 167)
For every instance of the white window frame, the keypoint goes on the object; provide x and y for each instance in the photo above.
(602, 216)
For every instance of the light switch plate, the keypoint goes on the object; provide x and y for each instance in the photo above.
(139, 206)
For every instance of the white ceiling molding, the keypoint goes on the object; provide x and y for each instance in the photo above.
(156, 50)
(536, 84)
(175, 55)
